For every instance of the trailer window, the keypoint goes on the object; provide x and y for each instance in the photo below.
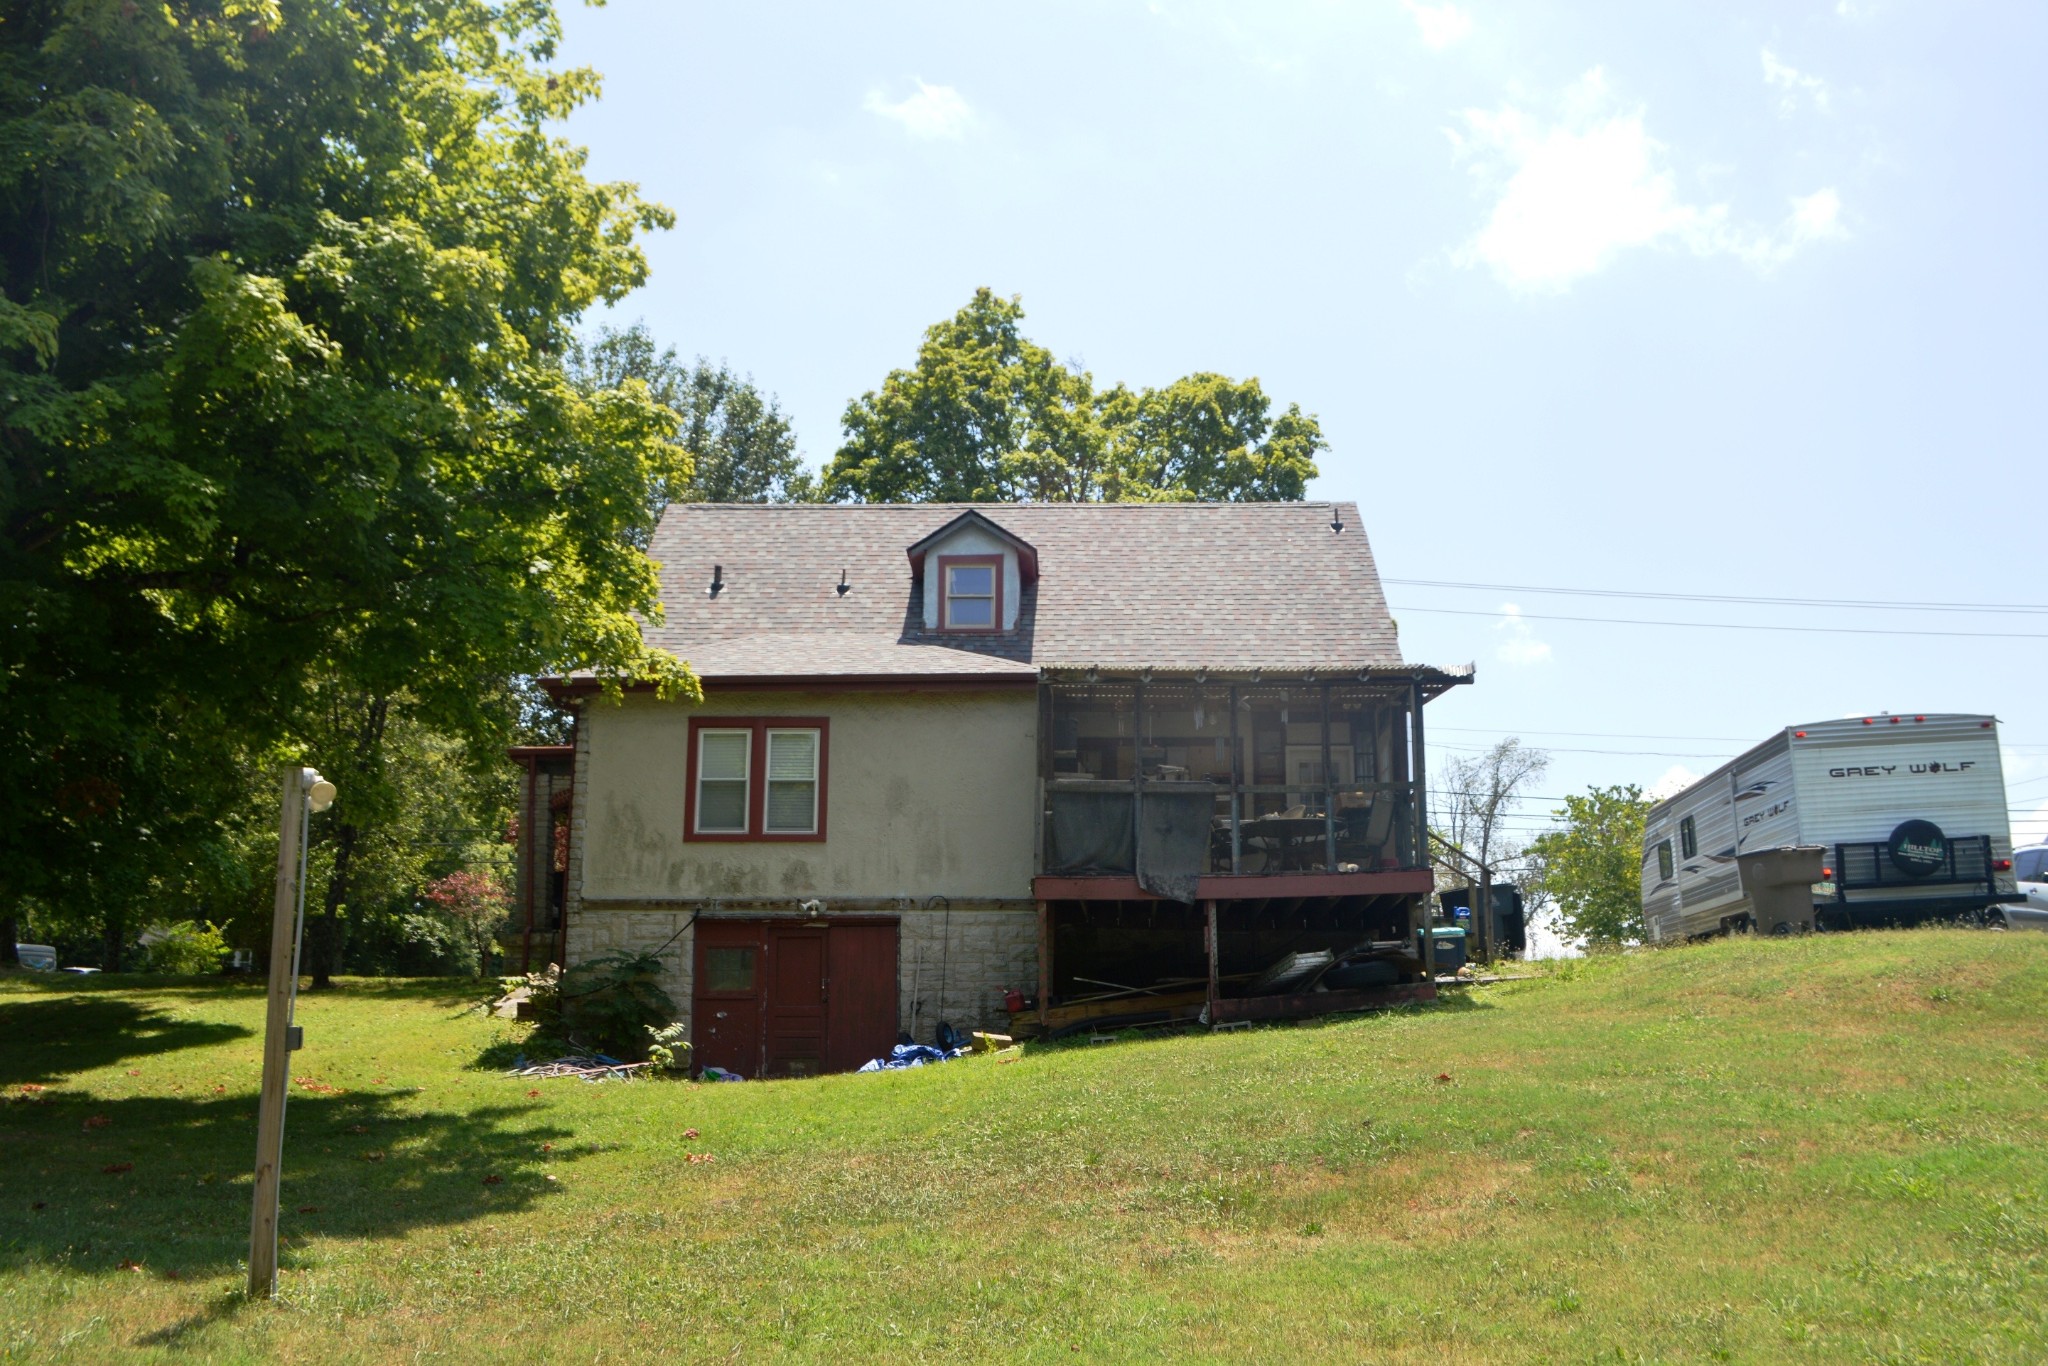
(1688, 839)
(1664, 859)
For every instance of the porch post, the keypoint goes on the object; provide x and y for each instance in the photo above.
(1044, 962)
(1209, 941)
(1329, 793)
(1419, 824)
(1236, 793)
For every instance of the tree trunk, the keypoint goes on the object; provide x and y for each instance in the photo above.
(327, 935)
(113, 929)
(324, 935)
(8, 957)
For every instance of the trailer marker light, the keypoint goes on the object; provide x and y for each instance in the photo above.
(1918, 719)
(1983, 725)
(1798, 735)
(1868, 722)
(1827, 873)
(1895, 720)
(2003, 865)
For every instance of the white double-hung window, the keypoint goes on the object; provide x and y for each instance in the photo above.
(792, 807)
(724, 758)
(757, 778)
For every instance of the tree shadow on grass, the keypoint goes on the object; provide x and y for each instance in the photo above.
(164, 1182)
(61, 1036)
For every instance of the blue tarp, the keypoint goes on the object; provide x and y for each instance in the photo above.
(908, 1055)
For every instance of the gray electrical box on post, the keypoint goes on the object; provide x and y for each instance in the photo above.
(1779, 885)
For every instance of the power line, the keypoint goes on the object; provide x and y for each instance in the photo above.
(1518, 732)
(1726, 625)
(1565, 749)
(1863, 604)
(1590, 734)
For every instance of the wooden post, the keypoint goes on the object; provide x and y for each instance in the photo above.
(1482, 897)
(1044, 963)
(1209, 941)
(277, 1043)
(1419, 823)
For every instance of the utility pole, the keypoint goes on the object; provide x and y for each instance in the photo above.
(305, 791)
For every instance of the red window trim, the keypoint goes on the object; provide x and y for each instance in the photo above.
(757, 778)
(946, 565)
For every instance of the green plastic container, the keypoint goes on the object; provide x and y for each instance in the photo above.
(1450, 947)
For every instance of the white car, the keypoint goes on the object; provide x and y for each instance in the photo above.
(2030, 870)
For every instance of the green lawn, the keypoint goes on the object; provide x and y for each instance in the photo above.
(1827, 1149)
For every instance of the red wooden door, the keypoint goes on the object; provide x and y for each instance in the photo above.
(796, 1001)
(860, 995)
(725, 1002)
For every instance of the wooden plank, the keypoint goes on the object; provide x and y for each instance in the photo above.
(1224, 887)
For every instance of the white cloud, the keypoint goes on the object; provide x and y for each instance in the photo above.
(1520, 645)
(1674, 780)
(1440, 25)
(1793, 83)
(935, 111)
(1574, 193)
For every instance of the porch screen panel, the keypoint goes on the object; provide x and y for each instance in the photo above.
(722, 780)
(792, 782)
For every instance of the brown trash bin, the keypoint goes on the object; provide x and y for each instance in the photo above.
(1779, 885)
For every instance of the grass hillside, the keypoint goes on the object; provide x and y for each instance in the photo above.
(1825, 1149)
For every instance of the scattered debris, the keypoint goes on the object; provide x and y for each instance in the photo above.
(116, 1168)
(694, 1158)
(1443, 1076)
(130, 1264)
(96, 1122)
(494, 1180)
(317, 1086)
(720, 1074)
(689, 1133)
(588, 1066)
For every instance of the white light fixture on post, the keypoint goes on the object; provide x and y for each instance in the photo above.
(305, 792)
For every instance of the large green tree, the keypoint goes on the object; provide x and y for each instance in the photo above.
(739, 443)
(285, 290)
(1593, 867)
(986, 414)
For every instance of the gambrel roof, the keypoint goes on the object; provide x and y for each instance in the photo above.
(1171, 586)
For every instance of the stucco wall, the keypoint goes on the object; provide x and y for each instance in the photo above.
(927, 794)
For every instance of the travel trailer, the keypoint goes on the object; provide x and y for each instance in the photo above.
(1909, 812)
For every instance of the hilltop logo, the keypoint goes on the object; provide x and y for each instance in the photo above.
(1918, 848)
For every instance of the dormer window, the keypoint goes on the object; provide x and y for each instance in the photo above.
(973, 592)
(973, 576)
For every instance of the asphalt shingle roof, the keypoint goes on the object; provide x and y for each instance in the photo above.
(1121, 585)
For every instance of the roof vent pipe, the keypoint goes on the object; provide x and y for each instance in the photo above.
(844, 587)
(717, 579)
(1337, 523)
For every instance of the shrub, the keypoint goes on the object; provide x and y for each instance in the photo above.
(667, 1049)
(187, 948)
(611, 1002)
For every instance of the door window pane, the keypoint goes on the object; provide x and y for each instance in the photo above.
(722, 757)
(728, 969)
(792, 782)
(1688, 838)
(1664, 859)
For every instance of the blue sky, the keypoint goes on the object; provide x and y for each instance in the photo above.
(1729, 298)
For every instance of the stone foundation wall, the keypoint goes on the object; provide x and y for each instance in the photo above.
(950, 966)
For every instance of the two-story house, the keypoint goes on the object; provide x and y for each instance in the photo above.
(953, 756)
